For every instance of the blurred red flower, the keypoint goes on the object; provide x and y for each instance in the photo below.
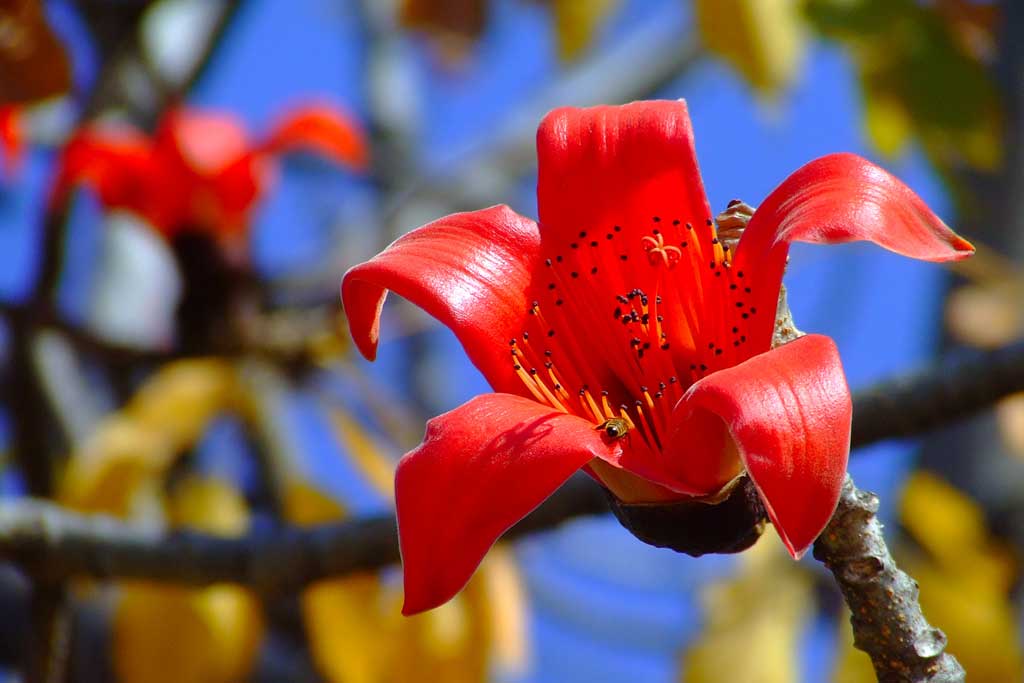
(12, 138)
(623, 336)
(199, 171)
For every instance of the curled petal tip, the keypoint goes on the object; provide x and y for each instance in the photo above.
(962, 247)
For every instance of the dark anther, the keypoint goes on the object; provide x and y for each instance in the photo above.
(753, 310)
(593, 243)
(517, 366)
(609, 236)
(617, 313)
(558, 302)
(657, 232)
(526, 335)
(593, 271)
(683, 245)
(672, 379)
(709, 222)
(714, 240)
(739, 304)
(657, 219)
(533, 371)
(551, 285)
(551, 333)
(574, 274)
(703, 367)
(664, 347)
(547, 262)
(747, 290)
(732, 286)
(575, 245)
(689, 226)
(618, 228)
(624, 257)
(583, 233)
(558, 258)
(675, 222)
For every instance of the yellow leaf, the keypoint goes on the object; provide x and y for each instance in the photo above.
(952, 530)
(977, 618)
(174, 634)
(576, 22)
(852, 665)
(171, 634)
(358, 635)
(888, 123)
(367, 453)
(138, 443)
(760, 612)
(762, 39)
(965, 577)
(985, 315)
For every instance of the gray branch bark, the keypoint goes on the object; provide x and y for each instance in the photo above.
(887, 620)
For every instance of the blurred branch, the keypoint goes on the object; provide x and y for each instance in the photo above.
(887, 620)
(959, 385)
(52, 543)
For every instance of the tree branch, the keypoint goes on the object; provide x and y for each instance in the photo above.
(52, 543)
(887, 620)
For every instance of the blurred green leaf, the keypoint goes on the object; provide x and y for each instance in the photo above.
(916, 79)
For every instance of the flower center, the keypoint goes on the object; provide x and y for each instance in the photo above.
(623, 321)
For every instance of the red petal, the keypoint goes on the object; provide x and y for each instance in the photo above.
(481, 468)
(203, 142)
(617, 164)
(840, 198)
(321, 129)
(789, 413)
(612, 182)
(119, 165)
(12, 137)
(471, 271)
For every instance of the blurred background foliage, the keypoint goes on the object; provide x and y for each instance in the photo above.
(185, 181)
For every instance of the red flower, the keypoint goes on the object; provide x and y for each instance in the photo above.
(622, 304)
(199, 171)
(12, 138)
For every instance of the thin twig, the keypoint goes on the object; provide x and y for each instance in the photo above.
(887, 620)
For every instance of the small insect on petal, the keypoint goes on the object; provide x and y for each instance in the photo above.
(614, 428)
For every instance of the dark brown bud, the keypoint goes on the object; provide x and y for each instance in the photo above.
(695, 527)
